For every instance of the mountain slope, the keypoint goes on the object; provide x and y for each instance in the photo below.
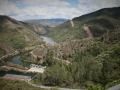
(96, 23)
(17, 34)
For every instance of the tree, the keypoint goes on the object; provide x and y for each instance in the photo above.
(49, 60)
(57, 75)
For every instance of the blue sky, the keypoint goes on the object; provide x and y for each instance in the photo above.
(73, 3)
(37, 9)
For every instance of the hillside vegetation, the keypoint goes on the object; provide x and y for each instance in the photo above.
(94, 66)
(94, 62)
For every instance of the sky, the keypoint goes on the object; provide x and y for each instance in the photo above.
(46, 9)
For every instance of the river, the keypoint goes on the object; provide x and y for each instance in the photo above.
(48, 40)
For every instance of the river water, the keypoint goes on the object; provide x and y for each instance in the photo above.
(48, 40)
(2, 73)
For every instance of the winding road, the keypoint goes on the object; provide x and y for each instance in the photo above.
(117, 87)
(49, 88)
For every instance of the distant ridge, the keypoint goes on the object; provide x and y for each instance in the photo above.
(47, 22)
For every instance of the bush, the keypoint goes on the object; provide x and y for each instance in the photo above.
(95, 87)
(18, 43)
(57, 75)
(116, 82)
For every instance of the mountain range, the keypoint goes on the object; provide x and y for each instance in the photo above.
(47, 22)
(94, 24)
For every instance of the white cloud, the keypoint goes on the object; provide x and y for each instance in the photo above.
(52, 8)
(47, 2)
(56, 10)
(7, 7)
(87, 6)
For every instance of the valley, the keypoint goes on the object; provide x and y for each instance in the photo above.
(61, 54)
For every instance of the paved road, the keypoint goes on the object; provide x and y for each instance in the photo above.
(46, 87)
(117, 87)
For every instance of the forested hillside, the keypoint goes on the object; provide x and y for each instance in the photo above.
(94, 60)
(95, 63)
(98, 22)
